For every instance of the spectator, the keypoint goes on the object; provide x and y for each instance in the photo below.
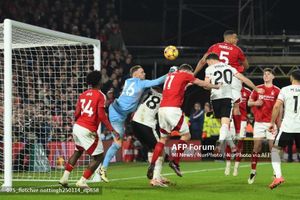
(196, 121)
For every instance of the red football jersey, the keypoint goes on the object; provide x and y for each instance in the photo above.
(229, 54)
(87, 109)
(263, 113)
(245, 93)
(174, 87)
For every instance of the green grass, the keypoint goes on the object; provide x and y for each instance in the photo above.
(202, 180)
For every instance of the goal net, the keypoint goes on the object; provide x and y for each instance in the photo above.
(42, 73)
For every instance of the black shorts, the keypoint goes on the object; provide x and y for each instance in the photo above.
(222, 107)
(145, 134)
(282, 139)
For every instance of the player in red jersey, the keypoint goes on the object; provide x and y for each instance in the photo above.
(262, 105)
(90, 112)
(245, 93)
(232, 55)
(170, 115)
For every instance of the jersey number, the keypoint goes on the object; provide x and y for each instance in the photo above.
(86, 108)
(130, 90)
(296, 104)
(169, 82)
(153, 102)
(227, 74)
(224, 56)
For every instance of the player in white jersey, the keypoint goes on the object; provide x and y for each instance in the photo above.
(288, 97)
(144, 125)
(222, 99)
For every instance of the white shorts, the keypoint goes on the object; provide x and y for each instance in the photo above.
(243, 129)
(172, 118)
(236, 89)
(260, 130)
(86, 140)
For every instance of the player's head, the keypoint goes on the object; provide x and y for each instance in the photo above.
(268, 75)
(295, 76)
(94, 79)
(137, 72)
(212, 58)
(186, 67)
(231, 37)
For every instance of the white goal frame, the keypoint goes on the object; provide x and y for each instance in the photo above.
(8, 46)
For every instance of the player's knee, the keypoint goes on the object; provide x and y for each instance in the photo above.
(186, 136)
(163, 140)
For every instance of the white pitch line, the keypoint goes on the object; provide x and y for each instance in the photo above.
(166, 174)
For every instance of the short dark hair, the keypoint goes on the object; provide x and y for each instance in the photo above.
(134, 69)
(186, 67)
(296, 74)
(229, 32)
(269, 70)
(212, 56)
(93, 78)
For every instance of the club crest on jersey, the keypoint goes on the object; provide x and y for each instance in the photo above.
(272, 93)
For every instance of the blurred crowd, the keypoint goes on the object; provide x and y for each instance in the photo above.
(47, 84)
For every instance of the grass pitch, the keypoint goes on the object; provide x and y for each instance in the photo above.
(201, 180)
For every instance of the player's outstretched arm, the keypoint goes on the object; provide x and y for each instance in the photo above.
(247, 82)
(205, 84)
(155, 82)
(200, 64)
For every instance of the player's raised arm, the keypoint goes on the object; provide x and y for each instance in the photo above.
(138, 72)
(200, 64)
(247, 81)
(155, 82)
(206, 84)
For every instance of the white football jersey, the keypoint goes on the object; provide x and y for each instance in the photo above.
(221, 73)
(290, 96)
(147, 110)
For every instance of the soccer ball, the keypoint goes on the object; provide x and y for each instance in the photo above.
(171, 52)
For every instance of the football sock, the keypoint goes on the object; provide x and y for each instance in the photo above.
(236, 164)
(150, 154)
(239, 151)
(159, 147)
(276, 162)
(223, 132)
(228, 153)
(110, 154)
(158, 168)
(87, 173)
(254, 159)
(237, 123)
(69, 167)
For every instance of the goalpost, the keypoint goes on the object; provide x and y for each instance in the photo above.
(42, 72)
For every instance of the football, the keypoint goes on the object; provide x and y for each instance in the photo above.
(171, 52)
